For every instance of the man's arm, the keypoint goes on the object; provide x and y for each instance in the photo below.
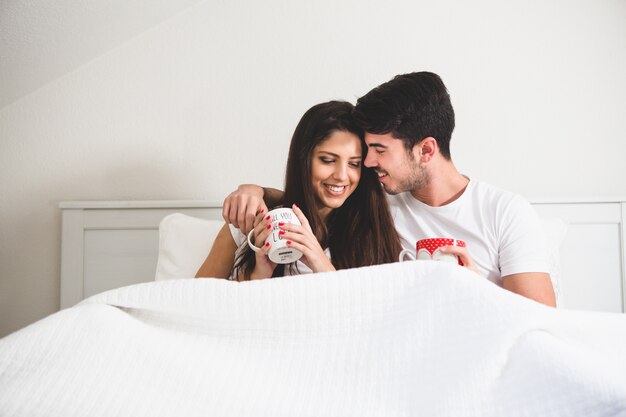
(534, 285)
(242, 205)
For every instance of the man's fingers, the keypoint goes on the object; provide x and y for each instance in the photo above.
(241, 206)
(249, 220)
(248, 210)
(229, 210)
(257, 211)
(262, 207)
(463, 255)
(257, 220)
(226, 211)
(245, 216)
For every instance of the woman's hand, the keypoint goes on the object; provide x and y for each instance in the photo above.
(463, 254)
(264, 268)
(303, 239)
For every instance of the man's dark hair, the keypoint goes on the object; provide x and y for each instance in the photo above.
(411, 107)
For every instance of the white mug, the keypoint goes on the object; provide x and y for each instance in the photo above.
(279, 252)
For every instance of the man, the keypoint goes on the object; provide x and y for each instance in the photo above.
(408, 124)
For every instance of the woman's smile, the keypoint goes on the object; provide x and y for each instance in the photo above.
(336, 169)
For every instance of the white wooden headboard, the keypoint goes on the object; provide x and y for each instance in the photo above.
(109, 244)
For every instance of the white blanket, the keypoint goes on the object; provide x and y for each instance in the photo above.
(410, 339)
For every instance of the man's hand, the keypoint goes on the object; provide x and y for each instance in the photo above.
(463, 254)
(241, 206)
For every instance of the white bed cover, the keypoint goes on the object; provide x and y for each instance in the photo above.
(411, 339)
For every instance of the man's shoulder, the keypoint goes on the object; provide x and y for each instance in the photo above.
(489, 193)
(488, 198)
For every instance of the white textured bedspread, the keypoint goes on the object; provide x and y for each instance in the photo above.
(410, 339)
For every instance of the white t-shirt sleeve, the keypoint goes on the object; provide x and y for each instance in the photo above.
(522, 244)
(241, 240)
(237, 235)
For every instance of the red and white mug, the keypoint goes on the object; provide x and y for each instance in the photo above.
(430, 249)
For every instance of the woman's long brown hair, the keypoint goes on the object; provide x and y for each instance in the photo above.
(360, 232)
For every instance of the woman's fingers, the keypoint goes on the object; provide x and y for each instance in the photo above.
(296, 233)
(300, 215)
(299, 238)
(262, 229)
(298, 246)
(262, 236)
(265, 248)
(294, 228)
(264, 268)
(258, 218)
(258, 224)
(313, 256)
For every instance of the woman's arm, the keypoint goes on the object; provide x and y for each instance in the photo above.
(221, 258)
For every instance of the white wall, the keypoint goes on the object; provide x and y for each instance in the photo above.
(208, 99)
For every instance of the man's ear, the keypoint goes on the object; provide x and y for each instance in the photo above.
(425, 149)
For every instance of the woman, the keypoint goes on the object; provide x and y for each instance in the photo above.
(340, 204)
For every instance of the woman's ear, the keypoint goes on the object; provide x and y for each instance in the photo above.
(425, 149)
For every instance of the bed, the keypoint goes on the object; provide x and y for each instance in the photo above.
(404, 339)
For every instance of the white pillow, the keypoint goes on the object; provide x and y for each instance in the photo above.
(184, 243)
(555, 231)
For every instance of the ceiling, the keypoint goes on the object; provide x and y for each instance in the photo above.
(42, 40)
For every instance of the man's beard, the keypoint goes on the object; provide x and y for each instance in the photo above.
(416, 180)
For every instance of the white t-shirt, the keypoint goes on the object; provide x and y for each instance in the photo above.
(501, 229)
(301, 268)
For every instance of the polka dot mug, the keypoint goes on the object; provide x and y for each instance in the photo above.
(429, 249)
